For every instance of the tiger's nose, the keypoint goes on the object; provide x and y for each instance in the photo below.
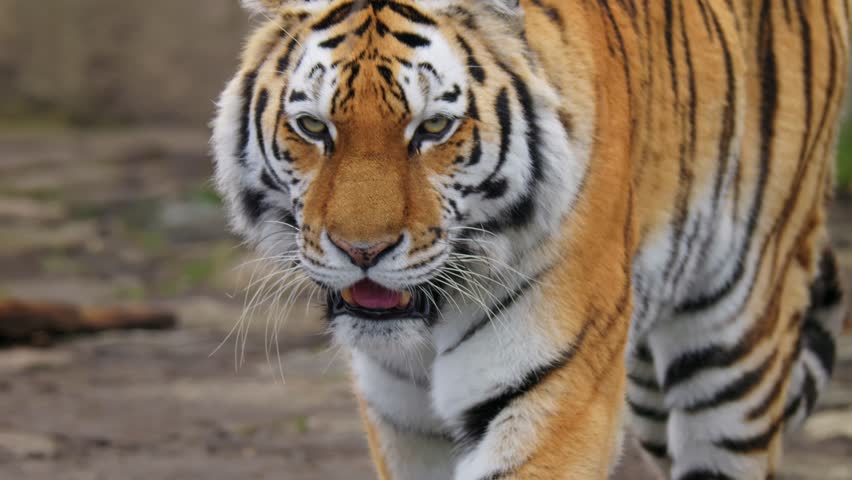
(365, 255)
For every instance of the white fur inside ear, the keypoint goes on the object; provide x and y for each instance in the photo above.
(505, 7)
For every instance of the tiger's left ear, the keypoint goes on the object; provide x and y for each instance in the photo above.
(261, 6)
(272, 6)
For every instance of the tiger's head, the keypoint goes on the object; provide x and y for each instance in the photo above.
(391, 148)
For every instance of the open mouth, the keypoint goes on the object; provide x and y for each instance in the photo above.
(369, 300)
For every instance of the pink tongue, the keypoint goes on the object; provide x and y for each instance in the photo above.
(371, 295)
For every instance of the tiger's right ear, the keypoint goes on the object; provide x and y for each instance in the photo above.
(506, 7)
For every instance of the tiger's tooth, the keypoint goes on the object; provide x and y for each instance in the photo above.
(346, 293)
(405, 299)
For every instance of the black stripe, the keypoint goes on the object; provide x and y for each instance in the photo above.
(670, 48)
(413, 40)
(686, 173)
(809, 391)
(787, 17)
(473, 65)
(705, 17)
(658, 450)
(497, 475)
(289, 218)
(649, 413)
(825, 291)
(249, 81)
(477, 418)
(816, 339)
(253, 204)
(690, 363)
(338, 15)
(522, 211)
(646, 383)
(551, 12)
(807, 76)
(259, 110)
(504, 120)
(333, 42)
(297, 96)
(622, 49)
(452, 95)
(387, 75)
(832, 75)
(761, 408)
(768, 110)
(476, 151)
(643, 353)
(496, 188)
(268, 182)
(319, 67)
(701, 474)
(363, 27)
(736, 389)
(792, 408)
(472, 109)
(410, 13)
(728, 125)
(284, 60)
(757, 443)
(276, 149)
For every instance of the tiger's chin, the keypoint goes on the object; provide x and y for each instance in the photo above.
(367, 315)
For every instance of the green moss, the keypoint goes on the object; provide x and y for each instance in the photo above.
(85, 212)
(152, 241)
(206, 194)
(130, 293)
(300, 424)
(24, 122)
(60, 265)
(199, 271)
(844, 159)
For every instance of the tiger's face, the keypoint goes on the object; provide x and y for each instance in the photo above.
(383, 147)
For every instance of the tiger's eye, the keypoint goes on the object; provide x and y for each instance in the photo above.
(312, 125)
(436, 125)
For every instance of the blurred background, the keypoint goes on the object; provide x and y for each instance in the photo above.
(105, 200)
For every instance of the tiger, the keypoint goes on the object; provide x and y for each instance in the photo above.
(541, 224)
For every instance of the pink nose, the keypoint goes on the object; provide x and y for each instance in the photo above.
(364, 255)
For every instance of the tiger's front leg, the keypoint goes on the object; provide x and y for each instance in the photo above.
(406, 440)
(530, 391)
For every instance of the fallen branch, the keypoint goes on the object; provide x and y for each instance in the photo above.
(39, 322)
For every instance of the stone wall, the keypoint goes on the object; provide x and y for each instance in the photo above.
(112, 61)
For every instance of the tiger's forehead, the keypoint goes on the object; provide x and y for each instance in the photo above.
(389, 57)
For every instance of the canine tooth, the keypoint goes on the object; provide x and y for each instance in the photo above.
(405, 299)
(346, 293)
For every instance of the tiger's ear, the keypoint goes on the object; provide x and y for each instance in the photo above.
(506, 7)
(260, 6)
(271, 6)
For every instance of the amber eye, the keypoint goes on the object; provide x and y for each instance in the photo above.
(312, 126)
(436, 125)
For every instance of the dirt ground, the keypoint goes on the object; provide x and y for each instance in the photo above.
(117, 217)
